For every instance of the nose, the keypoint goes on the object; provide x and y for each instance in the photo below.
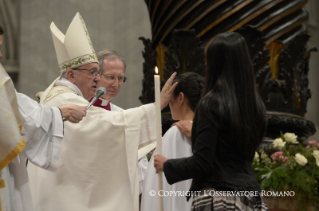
(115, 82)
(97, 78)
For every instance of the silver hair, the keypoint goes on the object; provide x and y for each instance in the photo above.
(109, 54)
(64, 75)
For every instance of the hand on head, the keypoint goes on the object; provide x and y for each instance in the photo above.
(167, 91)
(73, 113)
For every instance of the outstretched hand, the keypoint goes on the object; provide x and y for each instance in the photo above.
(167, 91)
(159, 161)
(73, 113)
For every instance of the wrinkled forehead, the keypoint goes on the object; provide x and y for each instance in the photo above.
(114, 64)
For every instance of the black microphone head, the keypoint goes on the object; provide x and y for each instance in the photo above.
(101, 91)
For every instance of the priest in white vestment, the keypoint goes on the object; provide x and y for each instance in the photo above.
(98, 165)
(42, 130)
(112, 72)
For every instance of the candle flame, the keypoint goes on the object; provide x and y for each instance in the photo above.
(156, 70)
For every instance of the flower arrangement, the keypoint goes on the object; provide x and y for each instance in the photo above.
(290, 167)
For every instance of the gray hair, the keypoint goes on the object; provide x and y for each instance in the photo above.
(109, 54)
(64, 75)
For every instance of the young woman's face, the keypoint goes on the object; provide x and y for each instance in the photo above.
(175, 109)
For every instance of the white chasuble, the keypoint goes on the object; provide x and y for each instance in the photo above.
(42, 130)
(97, 169)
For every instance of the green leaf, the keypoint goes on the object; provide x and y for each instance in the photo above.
(265, 184)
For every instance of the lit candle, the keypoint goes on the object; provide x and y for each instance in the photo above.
(157, 86)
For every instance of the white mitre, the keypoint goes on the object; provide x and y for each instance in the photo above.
(73, 49)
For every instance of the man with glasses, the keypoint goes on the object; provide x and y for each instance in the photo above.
(98, 167)
(112, 70)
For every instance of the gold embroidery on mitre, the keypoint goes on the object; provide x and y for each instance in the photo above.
(78, 61)
(86, 33)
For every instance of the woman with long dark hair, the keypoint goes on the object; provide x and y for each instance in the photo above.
(229, 124)
(182, 104)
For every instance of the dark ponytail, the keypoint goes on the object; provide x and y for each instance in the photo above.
(191, 85)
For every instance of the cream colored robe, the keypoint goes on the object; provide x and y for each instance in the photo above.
(42, 130)
(98, 165)
(143, 162)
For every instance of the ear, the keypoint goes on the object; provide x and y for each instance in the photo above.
(180, 98)
(70, 76)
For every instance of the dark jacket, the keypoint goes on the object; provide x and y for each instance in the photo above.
(216, 161)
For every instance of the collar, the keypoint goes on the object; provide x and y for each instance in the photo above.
(67, 83)
(104, 102)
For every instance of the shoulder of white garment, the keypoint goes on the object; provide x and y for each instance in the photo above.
(172, 132)
(58, 90)
(66, 98)
(174, 137)
(115, 108)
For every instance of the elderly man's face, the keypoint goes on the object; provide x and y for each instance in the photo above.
(112, 77)
(0, 45)
(84, 79)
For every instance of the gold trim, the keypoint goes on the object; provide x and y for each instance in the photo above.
(160, 55)
(167, 18)
(282, 15)
(205, 13)
(176, 21)
(273, 38)
(223, 17)
(12, 154)
(2, 184)
(160, 16)
(78, 61)
(275, 49)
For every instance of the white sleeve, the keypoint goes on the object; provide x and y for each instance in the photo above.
(148, 125)
(42, 130)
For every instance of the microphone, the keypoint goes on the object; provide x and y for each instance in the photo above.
(100, 91)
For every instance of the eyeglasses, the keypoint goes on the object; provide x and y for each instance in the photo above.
(93, 73)
(111, 78)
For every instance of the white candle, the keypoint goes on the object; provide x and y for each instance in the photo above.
(157, 87)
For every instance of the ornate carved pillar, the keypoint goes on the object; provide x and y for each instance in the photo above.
(276, 36)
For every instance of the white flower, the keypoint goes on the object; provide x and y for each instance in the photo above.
(300, 159)
(278, 143)
(256, 158)
(316, 155)
(291, 138)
